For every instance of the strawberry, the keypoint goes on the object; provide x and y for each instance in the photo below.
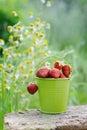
(66, 69)
(54, 73)
(58, 65)
(62, 75)
(43, 72)
(32, 88)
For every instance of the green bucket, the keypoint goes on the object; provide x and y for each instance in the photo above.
(53, 94)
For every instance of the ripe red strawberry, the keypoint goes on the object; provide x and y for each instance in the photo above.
(62, 75)
(32, 88)
(66, 69)
(58, 65)
(54, 73)
(43, 72)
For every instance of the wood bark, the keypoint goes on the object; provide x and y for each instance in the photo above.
(75, 118)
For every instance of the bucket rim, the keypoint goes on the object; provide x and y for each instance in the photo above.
(53, 78)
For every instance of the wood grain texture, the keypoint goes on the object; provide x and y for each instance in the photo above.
(75, 118)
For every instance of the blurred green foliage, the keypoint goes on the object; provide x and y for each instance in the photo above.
(5, 21)
(6, 18)
(68, 31)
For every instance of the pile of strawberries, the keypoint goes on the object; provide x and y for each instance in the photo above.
(58, 71)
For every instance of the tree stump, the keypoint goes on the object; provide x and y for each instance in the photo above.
(75, 118)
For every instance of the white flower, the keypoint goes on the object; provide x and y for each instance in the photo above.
(10, 28)
(19, 28)
(48, 26)
(31, 14)
(27, 34)
(14, 13)
(7, 87)
(49, 52)
(16, 42)
(17, 76)
(32, 48)
(48, 3)
(1, 42)
(34, 30)
(20, 37)
(9, 56)
(47, 64)
(43, 1)
(10, 38)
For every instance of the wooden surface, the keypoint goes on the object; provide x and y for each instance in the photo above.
(74, 119)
